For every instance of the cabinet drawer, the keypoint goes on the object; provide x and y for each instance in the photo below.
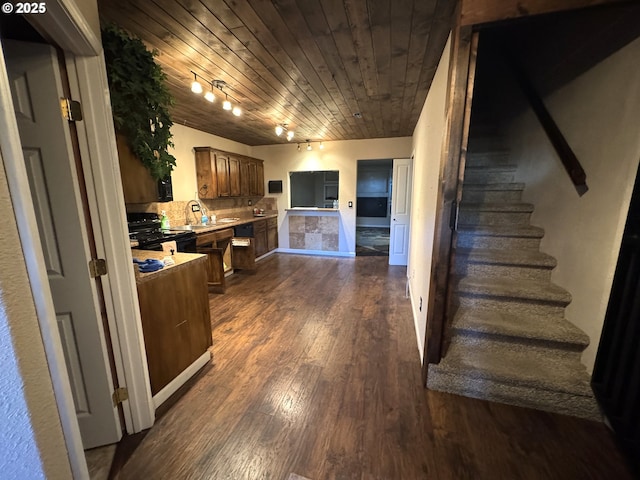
(205, 238)
(272, 222)
(225, 234)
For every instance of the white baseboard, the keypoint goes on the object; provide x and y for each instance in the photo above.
(323, 253)
(162, 396)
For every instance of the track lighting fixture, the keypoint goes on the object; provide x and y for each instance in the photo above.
(196, 87)
(283, 127)
(309, 146)
(209, 95)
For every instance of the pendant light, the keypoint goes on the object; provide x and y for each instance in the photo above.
(209, 95)
(226, 104)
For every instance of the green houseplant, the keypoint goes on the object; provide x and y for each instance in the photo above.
(140, 100)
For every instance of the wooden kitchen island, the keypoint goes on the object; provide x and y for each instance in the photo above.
(174, 307)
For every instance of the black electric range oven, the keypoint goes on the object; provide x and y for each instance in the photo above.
(145, 228)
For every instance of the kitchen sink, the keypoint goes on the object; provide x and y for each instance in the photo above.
(228, 220)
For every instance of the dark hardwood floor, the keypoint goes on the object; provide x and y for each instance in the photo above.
(316, 372)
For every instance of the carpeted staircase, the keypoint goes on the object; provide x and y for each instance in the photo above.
(509, 342)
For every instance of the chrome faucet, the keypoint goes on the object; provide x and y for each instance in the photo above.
(188, 210)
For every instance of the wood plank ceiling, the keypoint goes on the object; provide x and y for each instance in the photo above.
(311, 64)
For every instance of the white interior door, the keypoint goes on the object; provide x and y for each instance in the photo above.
(400, 212)
(36, 89)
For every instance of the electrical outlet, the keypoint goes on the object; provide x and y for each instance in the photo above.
(250, 202)
(420, 307)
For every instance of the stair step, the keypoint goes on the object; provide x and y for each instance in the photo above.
(501, 263)
(492, 174)
(487, 158)
(529, 379)
(494, 213)
(523, 237)
(524, 297)
(492, 192)
(539, 330)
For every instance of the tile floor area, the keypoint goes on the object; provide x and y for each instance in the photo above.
(372, 241)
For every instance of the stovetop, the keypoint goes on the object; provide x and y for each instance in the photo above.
(145, 228)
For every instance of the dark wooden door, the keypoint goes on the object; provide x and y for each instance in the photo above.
(616, 375)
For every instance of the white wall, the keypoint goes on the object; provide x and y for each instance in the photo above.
(183, 177)
(427, 148)
(599, 114)
(343, 156)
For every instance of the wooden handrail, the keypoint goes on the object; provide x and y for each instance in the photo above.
(567, 156)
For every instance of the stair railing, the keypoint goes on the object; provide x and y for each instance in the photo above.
(568, 158)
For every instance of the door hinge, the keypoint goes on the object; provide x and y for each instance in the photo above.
(97, 267)
(71, 110)
(120, 395)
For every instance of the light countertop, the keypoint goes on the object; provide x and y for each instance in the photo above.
(179, 258)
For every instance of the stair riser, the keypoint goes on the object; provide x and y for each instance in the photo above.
(483, 270)
(491, 196)
(470, 240)
(489, 159)
(468, 217)
(486, 389)
(488, 175)
(512, 305)
(473, 339)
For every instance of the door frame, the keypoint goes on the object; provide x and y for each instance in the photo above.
(65, 25)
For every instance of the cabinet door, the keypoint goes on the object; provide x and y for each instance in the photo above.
(222, 172)
(234, 177)
(138, 185)
(174, 309)
(260, 235)
(260, 178)
(253, 178)
(206, 173)
(272, 234)
(244, 177)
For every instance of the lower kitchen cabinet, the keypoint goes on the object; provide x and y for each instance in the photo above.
(174, 308)
(217, 246)
(272, 234)
(260, 237)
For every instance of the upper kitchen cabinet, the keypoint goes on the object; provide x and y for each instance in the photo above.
(137, 184)
(206, 173)
(252, 177)
(230, 175)
(222, 173)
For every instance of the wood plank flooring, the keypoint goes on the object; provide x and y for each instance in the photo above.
(316, 373)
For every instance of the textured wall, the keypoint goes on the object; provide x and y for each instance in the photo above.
(427, 147)
(599, 114)
(31, 439)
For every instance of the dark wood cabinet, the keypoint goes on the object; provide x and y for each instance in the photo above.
(174, 309)
(206, 173)
(260, 237)
(138, 185)
(234, 177)
(272, 234)
(217, 246)
(223, 174)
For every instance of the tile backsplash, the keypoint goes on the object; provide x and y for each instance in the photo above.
(222, 207)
